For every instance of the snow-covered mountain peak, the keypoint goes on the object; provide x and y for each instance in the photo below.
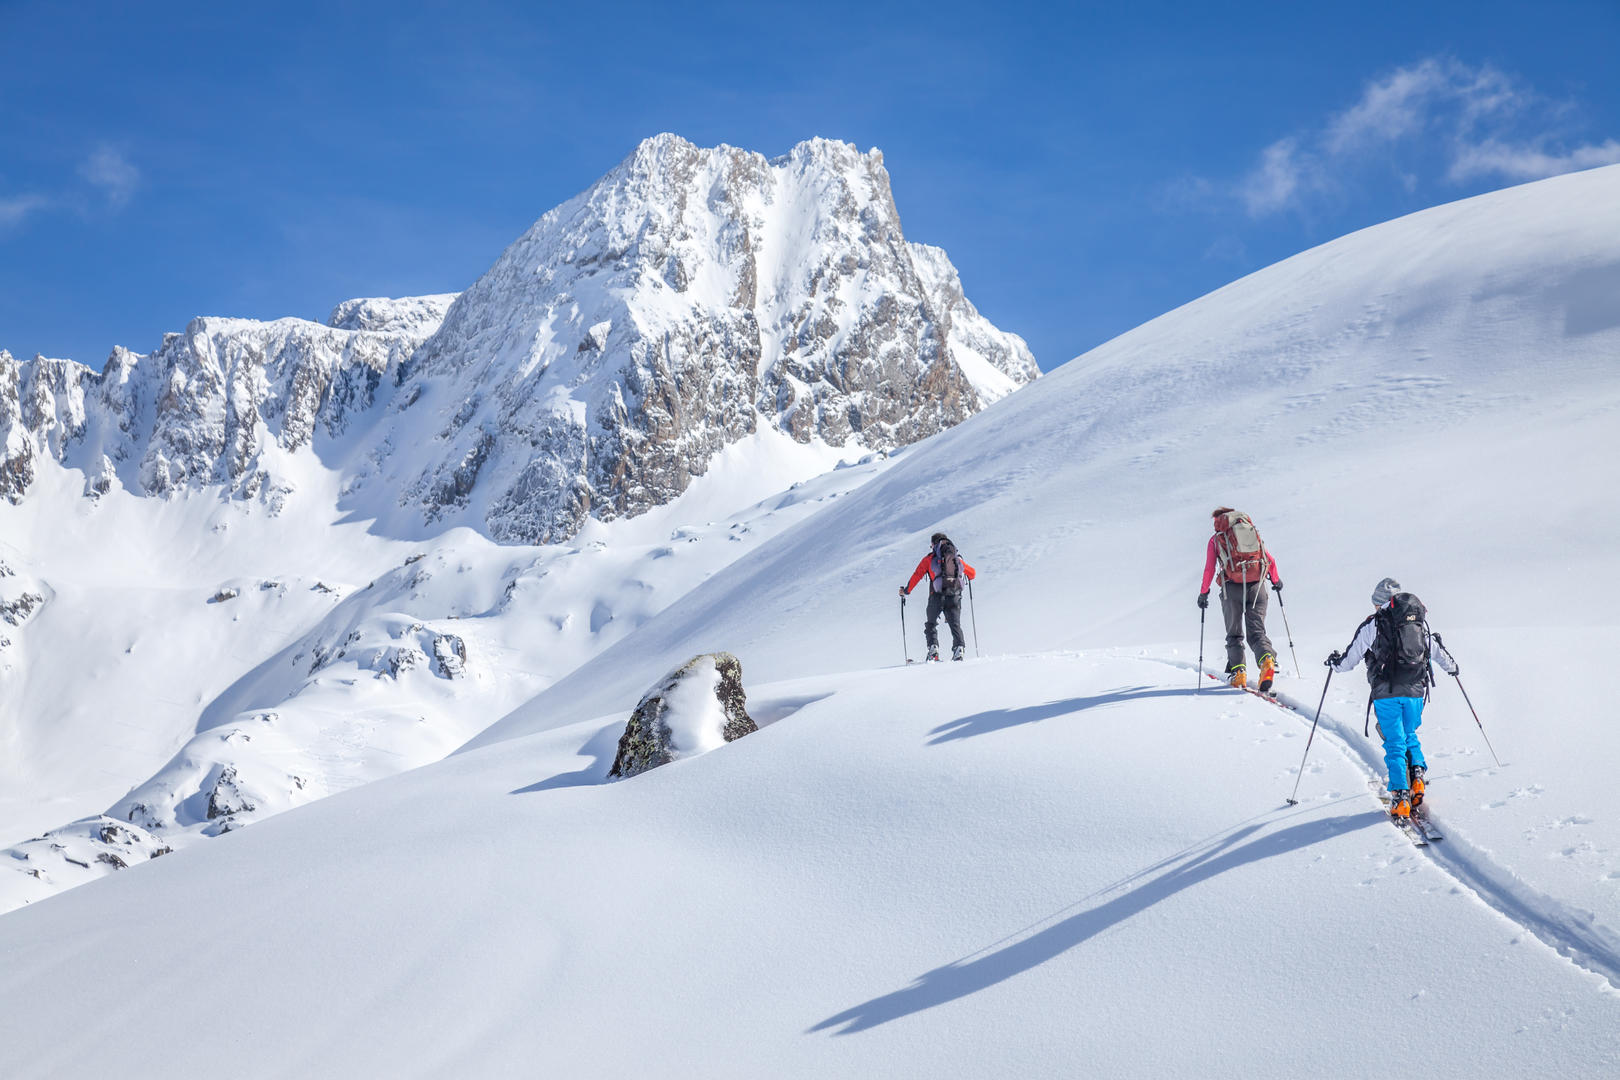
(688, 298)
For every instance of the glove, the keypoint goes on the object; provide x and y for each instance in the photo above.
(1276, 586)
(1203, 600)
(902, 590)
(1334, 658)
(1456, 669)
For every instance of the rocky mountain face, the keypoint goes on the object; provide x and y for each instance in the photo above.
(208, 406)
(689, 298)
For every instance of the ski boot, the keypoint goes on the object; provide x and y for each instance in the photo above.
(933, 652)
(1238, 677)
(956, 652)
(1268, 672)
(1400, 806)
(1415, 776)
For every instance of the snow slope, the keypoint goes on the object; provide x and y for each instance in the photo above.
(908, 872)
(1434, 399)
(193, 711)
(1063, 858)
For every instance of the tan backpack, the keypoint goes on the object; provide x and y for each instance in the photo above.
(1238, 548)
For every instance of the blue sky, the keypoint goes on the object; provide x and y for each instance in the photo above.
(1087, 167)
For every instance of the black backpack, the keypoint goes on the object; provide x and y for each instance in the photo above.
(948, 575)
(1400, 651)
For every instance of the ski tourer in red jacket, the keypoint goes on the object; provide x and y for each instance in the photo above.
(948, 574)
(1244, 564)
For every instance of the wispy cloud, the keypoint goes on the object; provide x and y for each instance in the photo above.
(1283, 174)
(108, 170)
(1475, 122)
(1525, 162)
(15, 208)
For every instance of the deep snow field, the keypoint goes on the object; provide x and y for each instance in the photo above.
(1064, 857)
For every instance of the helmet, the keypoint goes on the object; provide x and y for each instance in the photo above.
(1384, 590)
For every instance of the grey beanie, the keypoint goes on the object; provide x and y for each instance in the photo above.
(1384, 590)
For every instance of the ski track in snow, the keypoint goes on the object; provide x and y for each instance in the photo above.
(1572, 933)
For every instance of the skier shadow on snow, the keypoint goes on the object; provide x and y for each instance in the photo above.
(1000, 962)
(966, 727)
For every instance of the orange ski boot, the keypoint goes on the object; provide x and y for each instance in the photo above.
(1415, 775)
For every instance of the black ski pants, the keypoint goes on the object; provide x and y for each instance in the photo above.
(1244, 605)
(951, 605)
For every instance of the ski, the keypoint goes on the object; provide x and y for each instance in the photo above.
(1417, 828)
(1267, 696)
(1420, 818)
(1412, 831)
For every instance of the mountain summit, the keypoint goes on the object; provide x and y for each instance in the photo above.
(689, 298)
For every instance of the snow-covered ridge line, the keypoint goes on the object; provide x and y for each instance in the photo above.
(204, 409)
(688, 299)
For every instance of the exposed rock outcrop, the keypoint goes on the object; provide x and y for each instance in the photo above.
(695, 708)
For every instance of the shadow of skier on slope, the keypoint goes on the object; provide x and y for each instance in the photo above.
(982, 723)
(978, 972)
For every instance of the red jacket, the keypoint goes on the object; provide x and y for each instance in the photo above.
(1209, 567)
(926, 568)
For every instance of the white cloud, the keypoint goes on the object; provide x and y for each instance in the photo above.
(1278, 180)
(1463, 123)
(1521, 162)
(14, 208)
(110, 171)
(1391, 108)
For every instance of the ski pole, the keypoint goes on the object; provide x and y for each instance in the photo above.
(1293, 800)
(973, 613)
(1290, 630)
(905, 646)
(1487, 738)
(1201, 613)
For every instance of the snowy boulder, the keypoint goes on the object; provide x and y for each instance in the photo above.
(695, 708)
(224, 595)
(450, 652)
(17, 611)
(227, 797)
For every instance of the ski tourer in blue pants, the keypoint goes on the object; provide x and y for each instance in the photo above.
(1398, 647)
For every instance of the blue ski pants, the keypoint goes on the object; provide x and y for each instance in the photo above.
(1398, 721)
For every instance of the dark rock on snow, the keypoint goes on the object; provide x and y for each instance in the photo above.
(650, 738)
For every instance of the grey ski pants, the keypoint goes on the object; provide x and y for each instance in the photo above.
(1244, 606)
(951, 605)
